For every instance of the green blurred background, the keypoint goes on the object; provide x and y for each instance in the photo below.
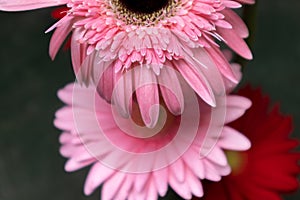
(30, 165)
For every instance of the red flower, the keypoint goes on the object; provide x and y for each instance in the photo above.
(270, 168)
(59, 13)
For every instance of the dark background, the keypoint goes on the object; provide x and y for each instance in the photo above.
(30, 165)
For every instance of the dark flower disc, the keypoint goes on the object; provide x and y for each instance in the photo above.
(144, 6)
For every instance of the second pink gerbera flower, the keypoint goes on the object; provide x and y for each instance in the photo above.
(132, 163)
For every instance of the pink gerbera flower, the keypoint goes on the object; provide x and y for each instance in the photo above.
(109, 37)
(132, 163)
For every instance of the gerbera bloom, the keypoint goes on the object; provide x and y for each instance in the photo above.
(270, 167)
(130, 162)
(111, 36)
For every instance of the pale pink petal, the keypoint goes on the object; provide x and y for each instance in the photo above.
(209, 69)
(147, 96)
(238, 105)
(78, 53)
(18, 5)
(97, 175)
(247, 1)
(65, 94)
(59, 35)
(230, 86)
(72, 165)
(237, 23)
(171, 90)
(161, 181)
(124, 191)
(151, 190)
(211, 173)
(177, 170)
(197, 81)
(106, 84)
(86, 71)
(180, 188)
(217, 156)
(195, 164)
(223, 171)
(112, 185)
(194, 184)
(141, 181)
(233, 140)
(222, 63)
(65, 138)
(122, 94)
(67, 150)
(235, 42)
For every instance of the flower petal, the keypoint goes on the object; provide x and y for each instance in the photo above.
(18, 5)
(171, 90)
(237, 23)
(197, 81)
(147, 95)
(234, 41)
(237, 105)
(233, 140)
(59, 36)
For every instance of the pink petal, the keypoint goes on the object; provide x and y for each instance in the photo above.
(122, 93)
(234, 41)
(194, 184)
(18, 5)
(232, 4)
(161, 181)
(86, 71)
(140, 181)
(59, 36)
(171, 90)
(72, 165)
(217, 156)
(233, 140)
(97, 175)
(237, 106)
(211, 173)
(246, 1)
(177, 170)
(237, 23)
(197, 81)
(147, 95)
(105, 85)
(78, 53)
(196, 165)
(123, 192)
(152, 191)
(180, 188)
(65, 94)
(230, 86)
(112, 185)
(222, 63)
(210, 71)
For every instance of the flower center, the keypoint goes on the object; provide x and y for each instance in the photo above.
(144, 12)
(144, 6)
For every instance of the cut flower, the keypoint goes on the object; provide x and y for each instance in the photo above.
(110, 37)
(92, 136)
